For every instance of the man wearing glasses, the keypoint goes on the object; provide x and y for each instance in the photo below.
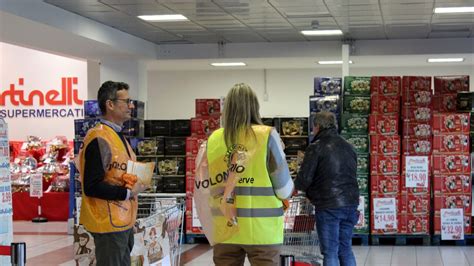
(109, 202)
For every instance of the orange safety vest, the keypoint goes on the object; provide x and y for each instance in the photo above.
(106, 216)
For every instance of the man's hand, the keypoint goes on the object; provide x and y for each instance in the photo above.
(129, 180)
(137, 189)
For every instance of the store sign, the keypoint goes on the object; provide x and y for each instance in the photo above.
(40, 93)
(36, 185)
(452, 224)
(416, 172)
(385, 213)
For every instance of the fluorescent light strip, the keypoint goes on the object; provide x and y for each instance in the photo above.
(444, 60)
(335, 62)
(228, 64)
(444, 10)
(164, 18)
(321, 32)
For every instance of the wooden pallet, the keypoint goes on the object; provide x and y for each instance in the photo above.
(467, 241)
(401, 240)
(363, 239)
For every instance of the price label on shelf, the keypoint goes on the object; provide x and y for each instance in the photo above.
(385, 213)
(361, 222)
(416, 171)
(452, 224)
(196, 222)
(36, 185)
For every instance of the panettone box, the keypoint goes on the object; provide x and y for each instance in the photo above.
(444, 103)
(354, 123)
(151, 146)
(448, 123)
(363, 183)
(383, 124)
(362, 163)
(451, 84)
(180, 127)
(417, 146)
(134, 128)
(452, 184)
(417, 98)
(171, 165)
(451, 143)
(293, 126)
(91, 109)
(417, 114)
(359, 142)
(193, 144)
(384, 165)
(383, 104)
(175, 145)
(385, 184)
(414, 203)
(451, 164)
(294, 163)
(81, 126)
(465, 102)
(415, 224)
(356, 85)
(205, 125)
(417, 130)
(452, 201)
(208, 107)
(416, 83)
(325, 103)
(295, 144)
(189, 185)
(327, 86)
(191, 165)
(356, 104)
(386, 85)
(157, 128)
(385, 145)
(174, 184)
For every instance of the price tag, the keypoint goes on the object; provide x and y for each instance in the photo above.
(361, 209)
(36, 185)
(452, 224)
(196, 222)
(385, 213)
(416, 171)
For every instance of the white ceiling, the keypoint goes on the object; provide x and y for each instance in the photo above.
(248, 21)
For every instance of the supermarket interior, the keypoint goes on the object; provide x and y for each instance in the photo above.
(398, 76)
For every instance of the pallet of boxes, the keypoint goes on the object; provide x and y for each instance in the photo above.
(208, 114)
(355, 128)
(452, 183)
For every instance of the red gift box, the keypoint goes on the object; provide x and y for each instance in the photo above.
(452, 184)
(190, 165)
(193, 143)
(452, 143)
(384, 165)
(417, 113)
(385, 145)
(448, 123)
(189, 185)
(416, 83)
(415, 224)
(207, 107)
(393, 230)
(386, 85)
(204, 125)
(384, 184)
(417, 98)
(382, 104)
(414, 203)
(467, 223)
(452, 201)
(416, 129)
(451, 164)
(445, 103)
(416, 146)
(383, 124)
(451, 84)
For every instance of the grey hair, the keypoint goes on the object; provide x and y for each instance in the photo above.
(324, 120)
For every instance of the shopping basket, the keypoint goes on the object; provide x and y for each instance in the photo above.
(300, 241)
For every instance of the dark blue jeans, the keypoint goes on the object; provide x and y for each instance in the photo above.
(334, 228)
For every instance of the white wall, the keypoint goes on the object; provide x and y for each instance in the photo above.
(171, 94)
(123, 70)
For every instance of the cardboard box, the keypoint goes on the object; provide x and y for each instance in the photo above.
(382, 104)
(384, 165)
(180, 128)
(362, 163)
(448, 123)
(359, 142)
(174, 184)
(190, 165)
(81, 126)
(417, 146)
(208, 107)
(363, 183)
(417, 98)
(325, 103)
(451, 84)
(383, 124)
(294, 126)
(157, 128)
(150, 146)
(294, 144)
(445, 103)
(391, 231)
(175, 146)
(415, 224)
(91, 109)
(452, 201)
(354, 123)
(451, 164)
(416, 83)
(205, 125)
(356, 104)
(452, 184)
(417, 130)
(467, 224)
(465, 102)
(171, 166)
(356, 85)
(294, 164)
(189, 185)
(414, 203)
(385, 145)
(193, 143)
(417, 114)
(327, 86)
(452, 143)
(386, 85)
(384, 184)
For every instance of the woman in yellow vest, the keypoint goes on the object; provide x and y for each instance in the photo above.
(243, 170)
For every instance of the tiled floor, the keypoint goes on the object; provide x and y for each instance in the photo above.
(48, 244)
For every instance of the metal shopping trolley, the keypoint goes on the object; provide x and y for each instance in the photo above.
(160, 219)
(300, 243)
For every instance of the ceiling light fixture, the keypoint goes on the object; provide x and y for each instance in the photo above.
(445, 60)
(163, 18)
(321, 32)
(228, 64)
(333, 62)
(444, 10)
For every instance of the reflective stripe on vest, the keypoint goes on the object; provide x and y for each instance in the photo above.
(259, 211)
(105, 216)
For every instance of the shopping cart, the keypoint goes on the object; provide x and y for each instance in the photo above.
(161, 221)
(16, 252)
(300, 243)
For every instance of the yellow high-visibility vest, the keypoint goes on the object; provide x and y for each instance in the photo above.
(259, 211)
(106, 216)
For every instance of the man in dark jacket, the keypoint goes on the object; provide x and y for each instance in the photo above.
(328, 176)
